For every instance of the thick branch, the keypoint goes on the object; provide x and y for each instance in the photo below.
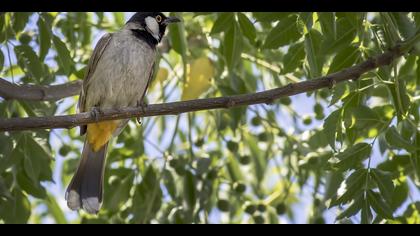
(175, 108)
(11, 91)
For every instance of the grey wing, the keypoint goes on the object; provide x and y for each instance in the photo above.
(148, 81)
(124, 122)
(93, 62)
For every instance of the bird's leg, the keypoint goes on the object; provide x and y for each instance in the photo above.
(142, 105)
(95, 113)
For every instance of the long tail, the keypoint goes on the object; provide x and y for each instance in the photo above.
(86, 188)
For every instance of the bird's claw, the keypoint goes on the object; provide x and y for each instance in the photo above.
(95, 113)
(142, 105)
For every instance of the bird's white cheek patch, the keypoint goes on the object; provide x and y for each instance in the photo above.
(153, 26)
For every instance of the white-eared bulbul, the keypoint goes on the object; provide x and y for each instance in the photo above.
(117, 75)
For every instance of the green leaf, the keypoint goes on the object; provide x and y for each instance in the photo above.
(285, 32)
(269, 16)
(394, 139)
(223, 23)
(384, 182)
(1, 61)
(29, 61)
(147, 198)
(119, 18)
(121, 193)
(44, 38)
(190, 192)
(248, 29)
(314, 56)
(169, 181)
(16, 210)
(178, 38)
(363, 119)
(400, 98)
(351, 188)
(340, 91)
(233, 169)
(4, 191)
(344, 59)
(55, 210)
(353, 156)
(353, 209)
(416, 155)
(64, 58)
(31, 169)
(203, 165)
(19, 21)
(232, 46)
(33, 188)
(40, 157)
(332, 127)
(334, 181)
(259, 161)
(346, 32)
(366, 215)
(2, 27)
(294, 58)
(328, 24)
(307, 19)
(405, 25)
(380, 207)
(400, 195)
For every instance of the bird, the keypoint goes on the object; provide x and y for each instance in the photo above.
(117, 75)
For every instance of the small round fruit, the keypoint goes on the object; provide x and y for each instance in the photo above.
(64, 150)
(25, 38)
(239, 187)
(320, 116)
(258, 219)
(223, 205)
(281, 133)
(261, 207)
(317, 202)
(180, 170)
(307, 120)
(263, 137)
(232, 146)
(313, 161)
(173, 163)
(199, 142)
(286, 101)
(323, 94)
(212, 174)
(256, 121)
(318, 109)
(319, 221)
(245, 160)
(281, 209)
(250, 208)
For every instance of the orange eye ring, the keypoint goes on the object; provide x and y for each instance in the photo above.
(158, 18)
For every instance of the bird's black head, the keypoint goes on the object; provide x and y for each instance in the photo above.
(153, 22)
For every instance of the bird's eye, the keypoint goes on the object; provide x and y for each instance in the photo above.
(158, 18)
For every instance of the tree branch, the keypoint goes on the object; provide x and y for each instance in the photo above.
(10, 91)
(175, 108)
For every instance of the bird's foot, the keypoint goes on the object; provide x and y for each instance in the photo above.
(95, 113)
(142, 105)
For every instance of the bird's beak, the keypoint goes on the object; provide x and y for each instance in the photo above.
(171, 19)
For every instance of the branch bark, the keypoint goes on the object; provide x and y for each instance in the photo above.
(10, 91)
(175, 108)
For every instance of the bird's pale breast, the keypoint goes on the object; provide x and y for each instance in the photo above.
(122, 73)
